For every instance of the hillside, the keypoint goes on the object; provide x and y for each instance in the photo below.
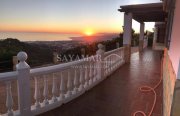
(37, 54)
(41, 54)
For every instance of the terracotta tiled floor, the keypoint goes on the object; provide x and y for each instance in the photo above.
(119, 94)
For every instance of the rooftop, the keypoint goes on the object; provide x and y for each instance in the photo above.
(145, 12)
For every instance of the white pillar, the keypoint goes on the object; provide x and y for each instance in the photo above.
(127, 35)
(24, 91)
(55, 57)
(155, 37)
(100, 61)
(127, 29)
(141, 37)
(15, 62)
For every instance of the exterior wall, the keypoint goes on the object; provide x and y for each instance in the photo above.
(160, 33)
(169, 22)
(159, 36)
(160, 26)
(174, 50)
(169, 79)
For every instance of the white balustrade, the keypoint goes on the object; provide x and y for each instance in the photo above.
(9, 99)
(46, 91)
(69, 80)
(37, 94)
(82, 80)
(76, 80)
(86, 75)
(62, 87)
(90, 73)
(24, 90)
(54, 87)
(94, 71)
(70, 84)
(113, 59)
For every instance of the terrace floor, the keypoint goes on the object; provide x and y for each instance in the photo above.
(119, 94)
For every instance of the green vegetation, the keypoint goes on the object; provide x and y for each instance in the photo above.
(40, 54)
(90, 49)
(37, 54)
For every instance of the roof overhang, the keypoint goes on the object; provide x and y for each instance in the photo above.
(146, 12)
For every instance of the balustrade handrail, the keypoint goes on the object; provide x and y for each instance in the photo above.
(64, 66)
(58, 67)
(112, 51)
(8, 76)
(50, 69)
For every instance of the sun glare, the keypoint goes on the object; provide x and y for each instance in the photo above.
(88, 32)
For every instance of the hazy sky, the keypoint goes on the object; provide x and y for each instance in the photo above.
(65, 16)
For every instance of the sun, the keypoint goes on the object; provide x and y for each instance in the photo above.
(88, 32)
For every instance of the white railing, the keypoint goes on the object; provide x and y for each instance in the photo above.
(113, 59)
(61, 83)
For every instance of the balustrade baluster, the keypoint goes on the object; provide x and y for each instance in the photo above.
(111, 64)
(9, 99)
(119, 59)
(90, 72)
(45, 92)
(37, 93)
(69, 84)
(62, 87)
(106, 65)
(94, 72)
(122, 53)
(86, 75)
(116, 61)
(113, 59)
(82, 81)
(76, 80)
(54, 88)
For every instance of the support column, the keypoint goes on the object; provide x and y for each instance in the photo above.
(127, 36)
(141, 37)
(55, 57)
(15, 62)
(155, 37)
(24, 87)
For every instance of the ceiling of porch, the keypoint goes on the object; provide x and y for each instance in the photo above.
(146, 12)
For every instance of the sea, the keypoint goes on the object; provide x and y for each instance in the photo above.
(38, 36)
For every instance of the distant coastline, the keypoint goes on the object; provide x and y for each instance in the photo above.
(33, 36)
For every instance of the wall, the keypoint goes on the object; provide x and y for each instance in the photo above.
(174, 50)
(161, 32)
(169, 79)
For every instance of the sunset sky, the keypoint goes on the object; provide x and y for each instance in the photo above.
(65, 16)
